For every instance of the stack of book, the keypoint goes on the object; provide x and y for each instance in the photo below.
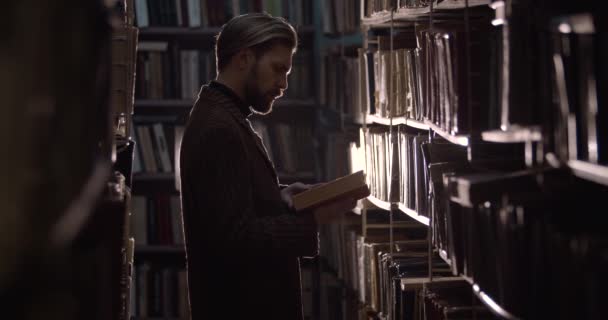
(155, 148)
(340, 16)
(169, 72)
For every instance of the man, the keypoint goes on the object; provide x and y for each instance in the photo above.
(243, 239)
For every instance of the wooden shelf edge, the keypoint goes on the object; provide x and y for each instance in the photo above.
(413, 214)
(379, 203)
(455, 139)
(460, 4)
(492, 305)
(372, 118)
(376, 18)
(412, 13)
(444, 256)
(416, 283)
(589, 171)
(514, 134)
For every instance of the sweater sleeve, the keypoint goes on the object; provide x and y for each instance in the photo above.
(228, 207)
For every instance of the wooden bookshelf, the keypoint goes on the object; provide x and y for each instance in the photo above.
(414, 215)
(462, 140)
(589, 171)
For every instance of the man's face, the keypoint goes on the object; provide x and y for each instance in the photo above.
(267, 78)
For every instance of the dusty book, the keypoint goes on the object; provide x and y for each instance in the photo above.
(352, 185)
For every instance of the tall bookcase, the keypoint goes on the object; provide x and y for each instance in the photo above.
(480, 132)
(175, 58)
(65, 243)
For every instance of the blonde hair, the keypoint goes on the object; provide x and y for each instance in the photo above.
(259, 31)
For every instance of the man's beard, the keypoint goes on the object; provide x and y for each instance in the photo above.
(261, 102)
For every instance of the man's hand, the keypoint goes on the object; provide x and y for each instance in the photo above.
(333, 211)
(288, 192)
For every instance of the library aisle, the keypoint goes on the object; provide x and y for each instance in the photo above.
(480, 127)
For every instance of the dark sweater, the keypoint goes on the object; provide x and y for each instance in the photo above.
(242, 241)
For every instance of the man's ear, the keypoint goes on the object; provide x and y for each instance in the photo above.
(244, 58)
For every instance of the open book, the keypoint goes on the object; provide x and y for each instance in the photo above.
(352, 185)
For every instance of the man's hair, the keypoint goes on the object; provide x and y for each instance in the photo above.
(258, 31)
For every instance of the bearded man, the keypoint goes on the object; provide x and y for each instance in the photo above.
(243, 238)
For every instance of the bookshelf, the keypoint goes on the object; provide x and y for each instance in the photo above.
(294, 116)
(466, 172)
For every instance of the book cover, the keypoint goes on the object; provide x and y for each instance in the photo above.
(352, 185)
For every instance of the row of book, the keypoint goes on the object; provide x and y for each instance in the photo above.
(161, 292)
(214, 13)
(157, 220)
(340, 16)
(350, 254)
(379, 161)
(156, 147)
(366, 265)
(290, 147)
(168, 72)
(516, 236)
(579, 77)
(413, 181)
(165, 71)
(423, 73)
(339, 74)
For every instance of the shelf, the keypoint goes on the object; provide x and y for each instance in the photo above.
(444, 256)
(416, 124)
(460, 4)
(462, 140)
(377, 18)
(371, 118)
(379, 203)
(492, 305)
(413, 13)
(158, 249)
(589, 171)
(414, 215)
(417, 283)
(513, 135)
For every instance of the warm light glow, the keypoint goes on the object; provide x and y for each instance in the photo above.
(564, 28)
(498, 22)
